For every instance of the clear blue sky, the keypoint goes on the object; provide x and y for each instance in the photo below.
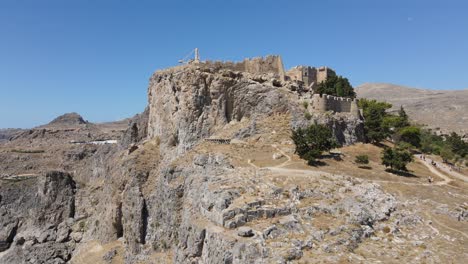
(95, 57)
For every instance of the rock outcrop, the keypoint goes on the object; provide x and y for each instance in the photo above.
(189, 104)
(137, 130)
(37, 219)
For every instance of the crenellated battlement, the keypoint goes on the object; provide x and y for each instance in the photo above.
(324, 103)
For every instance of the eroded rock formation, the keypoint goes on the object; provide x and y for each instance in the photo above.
(38, 219)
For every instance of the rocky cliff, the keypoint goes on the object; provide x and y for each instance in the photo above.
(171, 192)
(190, 103)
(38, 219)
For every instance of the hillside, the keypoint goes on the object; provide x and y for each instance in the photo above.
(208, 173)
(446, 110)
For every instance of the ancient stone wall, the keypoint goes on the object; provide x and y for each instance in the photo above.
(323, 103)
(323, 73)
(295, 74)
(270, 64)
(309, 75)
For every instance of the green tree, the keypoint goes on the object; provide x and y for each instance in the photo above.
(337, 86)
(362, 159)
(312, 141)
(431, 143)
(396, 159)
(411, 135)
(446, 153)
(457, 144)
(374, 115)
(403, 120)
(396, 122)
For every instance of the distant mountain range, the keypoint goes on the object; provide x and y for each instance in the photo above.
(69, 121)
(444, 110)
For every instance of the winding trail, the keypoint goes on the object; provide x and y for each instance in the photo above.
(249, 161)
(446, 180)
(446, 170)
(280, 169)
(445, 226)
(283, 153)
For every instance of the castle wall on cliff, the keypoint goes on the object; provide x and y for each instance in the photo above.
(324, 103)
(310, 76)
(270, 64)
(306, 75)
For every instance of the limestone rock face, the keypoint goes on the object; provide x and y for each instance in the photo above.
(37, 218)
(137, 130)
(189, 104)
(135, 218)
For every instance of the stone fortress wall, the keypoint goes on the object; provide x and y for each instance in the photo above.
(310, 76)
(270, 64)
(324, 103)
(260, 65)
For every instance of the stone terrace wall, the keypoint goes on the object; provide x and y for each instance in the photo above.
(269, 64)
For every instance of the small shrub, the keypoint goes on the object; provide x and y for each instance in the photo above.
(82, 225)
(164, 245)
(386, 230)
(307, 115)
(362, 159)
(155, 225)
(305, 104)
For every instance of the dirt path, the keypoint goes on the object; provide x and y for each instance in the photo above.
(249, 161)
(287, 162)
(445, 226)
(452, 173)
(436, 172)
(280, 169)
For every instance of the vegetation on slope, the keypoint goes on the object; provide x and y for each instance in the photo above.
(311, 142)
(380, 125)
